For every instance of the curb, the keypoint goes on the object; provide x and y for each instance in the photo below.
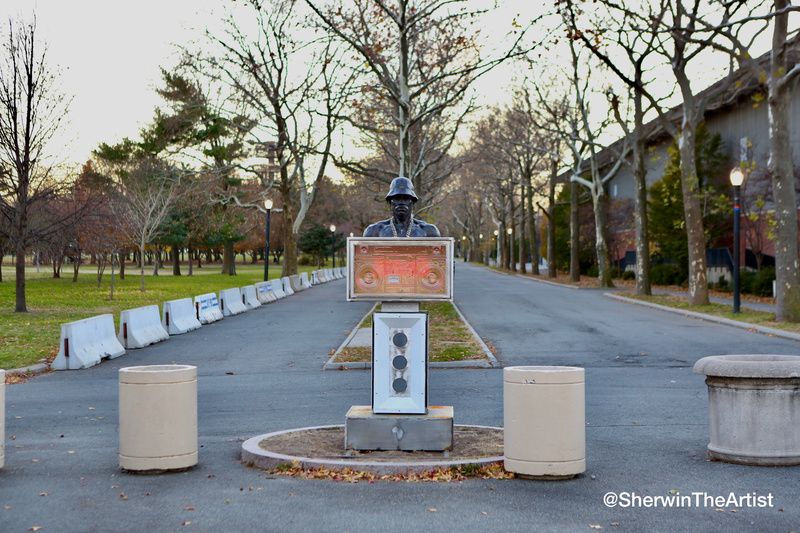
(256, 456)
(330, 365)
(764, 330)
(32, 370)
(486, 351)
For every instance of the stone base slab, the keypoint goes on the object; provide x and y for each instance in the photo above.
(545, 470)
(365, 430)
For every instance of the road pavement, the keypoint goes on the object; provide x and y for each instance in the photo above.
(262, 371)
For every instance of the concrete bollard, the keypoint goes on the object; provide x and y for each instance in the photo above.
(141, 327)
(753, 408)
(545, 421)
(304, 281)
(2, 418)
(157, 417)
(179, 316)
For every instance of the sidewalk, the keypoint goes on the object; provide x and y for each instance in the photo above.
(755, 306)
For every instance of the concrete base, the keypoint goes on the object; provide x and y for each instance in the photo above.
(365, 430)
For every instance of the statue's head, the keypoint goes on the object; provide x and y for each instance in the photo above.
(401, 197)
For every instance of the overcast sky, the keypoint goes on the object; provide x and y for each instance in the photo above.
(110, 52)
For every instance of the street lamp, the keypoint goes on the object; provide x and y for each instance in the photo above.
(464, 247)
(737, 178)
(333, 244)
(268, 207)
(512, 262)
(497, 247)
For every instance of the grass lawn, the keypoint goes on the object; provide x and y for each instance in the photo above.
(762, 318)
(27, 338)
(449, 339)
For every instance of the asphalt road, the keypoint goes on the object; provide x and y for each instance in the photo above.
(646, 432)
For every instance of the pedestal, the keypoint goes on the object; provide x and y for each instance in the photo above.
(365, 430)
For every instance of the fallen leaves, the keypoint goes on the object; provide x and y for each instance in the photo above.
(441, 475)
(34, 528)
(123, 496)
(432, 509)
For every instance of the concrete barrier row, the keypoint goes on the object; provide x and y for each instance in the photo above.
(85, 343)
(141, 327)
(230, 301)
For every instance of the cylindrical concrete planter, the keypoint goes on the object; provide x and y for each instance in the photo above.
(2, 418)
(544, 417)
(157, 417)
(753, 408)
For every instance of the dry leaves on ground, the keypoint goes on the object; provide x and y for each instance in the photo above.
(349, 475)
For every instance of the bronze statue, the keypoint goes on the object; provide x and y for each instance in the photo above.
(401, 198)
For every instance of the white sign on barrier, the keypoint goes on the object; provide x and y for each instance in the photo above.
(230, 301)
(264, 292)
(86, 342)
(141, 327)
(207, 309)
(277, 288)
(178, 316)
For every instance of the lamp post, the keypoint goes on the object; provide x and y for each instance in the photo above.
(497, 248)
(333, 244)
(268, 207)
(464, 247)
(481, 249)
(512, 262)
(737, 178)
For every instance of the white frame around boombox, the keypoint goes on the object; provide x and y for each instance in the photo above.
(447, 242)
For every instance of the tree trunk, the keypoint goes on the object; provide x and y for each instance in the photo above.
(600, 205)
(156, 260)
(640, 199)
(574, 234)
(551, 221)
(76, 266)
(693, 215)
(289, 237)
(176, 261)
(522, 237)
(123, 256)
(787, 269)
(534, 240)
(189, 256)
(141, 266)
(113, 281)
(21, 303)
(512, 260)
(228, 259)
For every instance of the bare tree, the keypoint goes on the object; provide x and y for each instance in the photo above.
(144, 198)
(298, 110)
(31, 112)
(628, 54)
(737, 25)
(425, 56)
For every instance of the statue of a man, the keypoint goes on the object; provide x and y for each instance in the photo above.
(401, 199)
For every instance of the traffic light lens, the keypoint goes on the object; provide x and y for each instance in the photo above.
(400, 362)
(400, 385)
(400, 339)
